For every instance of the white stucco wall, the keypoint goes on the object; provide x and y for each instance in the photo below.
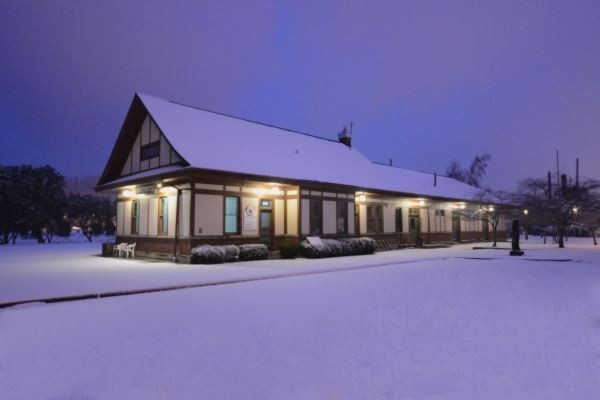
(127, 218)
(279, 211)
(363, 219)
(184, 213)
(292, 217)
(389, 218)
(329, 217)
(208, 215)
(351, 218)
(153, 216)
(305, 217)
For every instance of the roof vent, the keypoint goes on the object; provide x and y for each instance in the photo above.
(345, 136)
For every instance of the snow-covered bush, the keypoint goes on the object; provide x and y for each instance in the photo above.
(232, 252)
(327, 248)
(249, 252)
(333, 248)
(207, 254)
(356, 246)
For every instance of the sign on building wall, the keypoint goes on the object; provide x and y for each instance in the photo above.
(250, 219)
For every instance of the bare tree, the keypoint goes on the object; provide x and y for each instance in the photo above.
(591, 220)
(492, 206)
(560, 208)
(474, 174)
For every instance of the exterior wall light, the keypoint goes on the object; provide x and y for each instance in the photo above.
(491, 209)
(462, 206)
(575, 210)
(422, 203)
(128, 193)
(526, 212)
(276, 191)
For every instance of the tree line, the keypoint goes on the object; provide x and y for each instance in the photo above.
(541, 205)
(33, 203)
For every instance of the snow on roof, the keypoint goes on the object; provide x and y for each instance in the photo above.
(147, 173)
(216, 141)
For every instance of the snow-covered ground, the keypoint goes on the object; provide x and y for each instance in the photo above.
(455, 324)
(33, 271)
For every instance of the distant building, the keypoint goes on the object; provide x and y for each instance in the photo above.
(186, 176)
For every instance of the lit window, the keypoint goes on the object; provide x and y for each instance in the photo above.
(232, 211)
(316, 217)
(163, 216)
(135, 217)
(398, 219)
(342, 217)
(374, 219)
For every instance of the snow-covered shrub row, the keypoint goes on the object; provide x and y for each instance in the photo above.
(333, 248)
(232, 252)
(207, 254)
(250, 252)
(362, 245)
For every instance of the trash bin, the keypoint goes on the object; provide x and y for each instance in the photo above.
(107, 249)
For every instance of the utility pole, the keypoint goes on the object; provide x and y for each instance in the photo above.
(557, 173)
(577, 172)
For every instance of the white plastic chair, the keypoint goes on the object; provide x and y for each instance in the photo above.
(129, 250)
(118, 248)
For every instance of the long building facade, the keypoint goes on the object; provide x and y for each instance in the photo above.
(186, 176)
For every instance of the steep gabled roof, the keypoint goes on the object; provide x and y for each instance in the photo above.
(214, 141)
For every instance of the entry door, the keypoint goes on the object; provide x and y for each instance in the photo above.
(414, 224)
(266, 223)
(456, 227)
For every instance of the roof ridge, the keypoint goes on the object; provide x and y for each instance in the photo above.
(241, 118)
(408, 169)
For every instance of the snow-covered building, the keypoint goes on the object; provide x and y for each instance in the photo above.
(185, 176)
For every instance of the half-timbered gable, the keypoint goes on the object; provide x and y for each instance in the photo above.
(150, 150)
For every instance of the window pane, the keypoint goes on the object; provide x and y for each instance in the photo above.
(231, 214)
(231, 224)
(315, 208)
(231, 205)
(342, 215)
(164, 225)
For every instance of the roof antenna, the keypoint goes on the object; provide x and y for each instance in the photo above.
(390, 162)
(435, 179)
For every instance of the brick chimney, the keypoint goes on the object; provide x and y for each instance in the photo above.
(345, 136)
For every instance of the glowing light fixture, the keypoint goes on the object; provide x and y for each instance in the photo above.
(491, 209)
(462, 206)
(128, 193)
(575, 210)
(276, 191)
(421, 203)
(526, 212)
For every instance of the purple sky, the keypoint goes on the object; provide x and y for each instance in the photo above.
(423, 82)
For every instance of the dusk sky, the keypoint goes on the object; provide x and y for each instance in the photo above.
(424, 82)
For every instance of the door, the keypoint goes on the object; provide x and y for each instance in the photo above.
(455, 227)
(266, 223)
(414, 225)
